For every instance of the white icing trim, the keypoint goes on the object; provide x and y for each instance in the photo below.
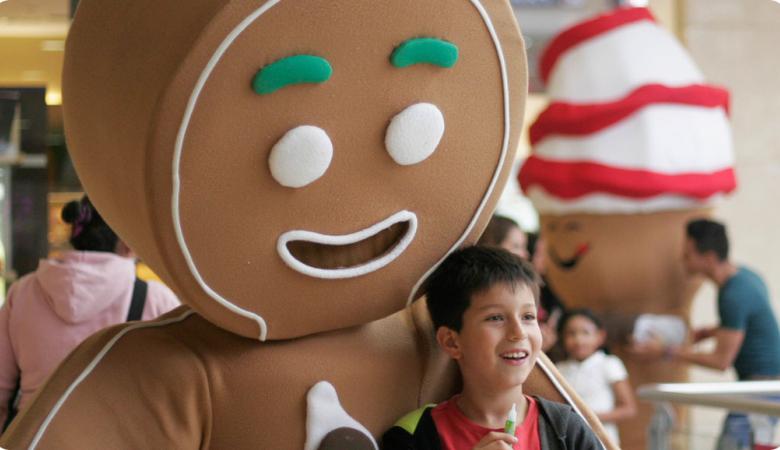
(609, 66)
(564, 394)
(204, 76)
(504, 146)
(670, 139)
(347, 239)
(95, 361)
(324, 414)
(601, 203)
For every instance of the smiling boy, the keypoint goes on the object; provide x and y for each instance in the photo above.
(483, 305)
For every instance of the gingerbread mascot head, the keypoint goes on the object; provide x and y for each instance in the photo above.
(294, 167)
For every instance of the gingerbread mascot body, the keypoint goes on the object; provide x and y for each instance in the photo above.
(293, 170)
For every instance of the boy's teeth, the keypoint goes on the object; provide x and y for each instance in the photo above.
(516, 355)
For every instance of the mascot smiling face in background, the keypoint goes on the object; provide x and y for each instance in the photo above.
(292, 169)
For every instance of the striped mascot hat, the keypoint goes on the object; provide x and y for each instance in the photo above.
(631, 127)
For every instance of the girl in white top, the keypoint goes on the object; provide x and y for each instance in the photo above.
(600, 379)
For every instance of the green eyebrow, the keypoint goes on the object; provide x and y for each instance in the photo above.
(291, 70)
(425, 50)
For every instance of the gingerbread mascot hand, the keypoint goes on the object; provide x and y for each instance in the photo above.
(293, 170)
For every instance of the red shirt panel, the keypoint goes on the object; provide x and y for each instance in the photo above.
(457, 432)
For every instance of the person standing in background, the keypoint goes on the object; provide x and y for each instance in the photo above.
(747, 337)
(52, 310)
(505, 233)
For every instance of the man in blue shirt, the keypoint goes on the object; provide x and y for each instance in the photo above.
(747, 338)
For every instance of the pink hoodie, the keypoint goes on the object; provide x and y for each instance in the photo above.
(49, 312)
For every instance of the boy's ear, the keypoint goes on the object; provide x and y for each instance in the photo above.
(448, 341)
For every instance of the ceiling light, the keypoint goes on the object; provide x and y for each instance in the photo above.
(53, 45)
(53, 98)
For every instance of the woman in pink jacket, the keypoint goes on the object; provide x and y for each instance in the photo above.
(50, 311)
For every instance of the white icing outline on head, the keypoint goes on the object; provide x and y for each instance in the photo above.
(346, 239)
(190, 108)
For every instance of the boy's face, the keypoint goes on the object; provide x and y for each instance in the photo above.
(500, 339)
(581, 337)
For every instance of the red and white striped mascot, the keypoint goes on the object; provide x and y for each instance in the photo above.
(632, 145)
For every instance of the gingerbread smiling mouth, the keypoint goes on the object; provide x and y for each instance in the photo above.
(349, 255)
(571, 263)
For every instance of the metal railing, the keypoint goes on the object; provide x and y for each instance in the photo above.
(742, 396)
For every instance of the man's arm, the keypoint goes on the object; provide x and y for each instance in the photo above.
(727, 346)
(701, 334)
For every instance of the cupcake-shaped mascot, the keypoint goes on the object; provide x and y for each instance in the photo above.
(632, 146)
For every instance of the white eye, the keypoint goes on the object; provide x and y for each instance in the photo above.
(414, 133)
(301, 156)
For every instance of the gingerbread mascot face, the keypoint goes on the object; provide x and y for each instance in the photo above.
(305, 165)
(292, 169)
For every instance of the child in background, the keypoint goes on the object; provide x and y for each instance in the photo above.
(483, 305)
(505, 233)
(600, 379)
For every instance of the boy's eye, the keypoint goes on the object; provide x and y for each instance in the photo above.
(529, 316)
(495, 317)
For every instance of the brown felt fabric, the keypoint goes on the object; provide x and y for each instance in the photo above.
(202, 380)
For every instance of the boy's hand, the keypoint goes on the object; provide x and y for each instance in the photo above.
(496, 440)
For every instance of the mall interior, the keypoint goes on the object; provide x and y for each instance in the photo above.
(734, 44)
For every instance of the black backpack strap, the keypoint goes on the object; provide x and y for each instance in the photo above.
(13, 404)
(138, 300)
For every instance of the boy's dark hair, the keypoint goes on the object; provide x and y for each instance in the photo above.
(708, 235)
(581, 312)
(468, 271)
(497, 230)
(89, 231)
